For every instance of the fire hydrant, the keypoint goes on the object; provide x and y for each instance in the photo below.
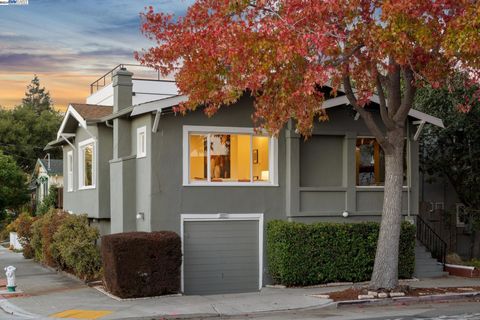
(10, 273)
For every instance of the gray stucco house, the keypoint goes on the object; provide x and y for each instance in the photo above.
(132, 164)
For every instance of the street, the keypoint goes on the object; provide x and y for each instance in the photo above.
(443, 311)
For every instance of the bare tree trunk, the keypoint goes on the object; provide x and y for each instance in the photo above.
(385, 271)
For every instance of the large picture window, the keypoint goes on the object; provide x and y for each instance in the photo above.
(370, 163)
(222, 156)
(86, 164)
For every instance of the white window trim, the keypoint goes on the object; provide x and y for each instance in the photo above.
(459, 223)
(139, 147)
(70, 167)
(81, 164)
(273, 157)
(226, 217)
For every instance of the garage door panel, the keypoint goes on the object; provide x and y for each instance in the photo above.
(221, 256)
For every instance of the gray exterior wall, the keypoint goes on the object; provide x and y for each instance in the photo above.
(94, 202)
(170, 198)
(317, 177)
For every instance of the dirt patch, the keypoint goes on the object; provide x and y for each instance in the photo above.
(354, 292)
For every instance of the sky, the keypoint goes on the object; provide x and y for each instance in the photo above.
(69, 44)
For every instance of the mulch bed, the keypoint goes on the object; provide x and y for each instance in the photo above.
(353, 293)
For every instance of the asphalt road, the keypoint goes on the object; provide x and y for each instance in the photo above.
(441, 311)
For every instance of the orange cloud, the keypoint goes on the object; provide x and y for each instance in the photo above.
(64, 87)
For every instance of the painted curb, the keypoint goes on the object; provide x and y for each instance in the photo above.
(430, 298)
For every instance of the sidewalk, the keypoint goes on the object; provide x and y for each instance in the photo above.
(48, 293)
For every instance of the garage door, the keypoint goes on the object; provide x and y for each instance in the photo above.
(221, 256)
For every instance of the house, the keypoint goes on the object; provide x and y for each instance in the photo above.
(47, 173)
(132, 164)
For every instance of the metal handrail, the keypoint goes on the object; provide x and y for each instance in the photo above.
(431, 240)
(107, 77)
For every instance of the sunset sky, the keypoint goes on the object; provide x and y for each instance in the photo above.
(69, 44)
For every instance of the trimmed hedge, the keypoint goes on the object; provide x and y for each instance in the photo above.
(142, 264)
(308, 254)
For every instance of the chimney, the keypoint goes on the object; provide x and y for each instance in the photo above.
(122, 89)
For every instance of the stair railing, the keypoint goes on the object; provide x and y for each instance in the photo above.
(431, 240)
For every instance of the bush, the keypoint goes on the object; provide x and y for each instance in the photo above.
(74, 247)
(43, 230)
(23, 227)
(308, 254)
(141, 264)
(49, 202)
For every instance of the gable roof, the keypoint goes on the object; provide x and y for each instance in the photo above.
(160, 104)
(92, 112)
(81, 114)
(55, 168)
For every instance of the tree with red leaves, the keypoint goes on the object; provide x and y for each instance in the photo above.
(281, 52)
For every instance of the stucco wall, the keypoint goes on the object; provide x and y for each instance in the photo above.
(170, 199)
(94, 202)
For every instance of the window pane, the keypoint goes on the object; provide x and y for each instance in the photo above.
(88, 165)
(260, 160)
(370, 160)
(198, 157)
(230, 157)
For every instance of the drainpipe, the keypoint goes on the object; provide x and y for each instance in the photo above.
(409, 172)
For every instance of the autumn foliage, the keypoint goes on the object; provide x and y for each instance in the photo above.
(281, 52)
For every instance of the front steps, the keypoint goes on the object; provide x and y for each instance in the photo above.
(425, 265)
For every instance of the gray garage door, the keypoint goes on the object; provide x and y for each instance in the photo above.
(220, 257)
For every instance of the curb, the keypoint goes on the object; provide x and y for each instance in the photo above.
(12, 309)
(430, 298)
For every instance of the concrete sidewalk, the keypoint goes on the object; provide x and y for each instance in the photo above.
(48, 293)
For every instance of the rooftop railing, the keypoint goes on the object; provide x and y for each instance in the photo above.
(139, 73)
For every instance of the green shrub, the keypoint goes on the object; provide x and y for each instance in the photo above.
(43, 230)
(74, 246)
(308, 254)
(49, 202)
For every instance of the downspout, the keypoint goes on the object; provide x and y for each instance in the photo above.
(108, 124)
(409, 173)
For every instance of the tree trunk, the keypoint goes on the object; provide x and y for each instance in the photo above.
(385, 271)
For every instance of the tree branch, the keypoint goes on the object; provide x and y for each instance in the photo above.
(408, 97)
(394, 87)
(383, 104)
(366, 116)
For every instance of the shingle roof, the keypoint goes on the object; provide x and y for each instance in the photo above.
(91, 112)
(56, 166)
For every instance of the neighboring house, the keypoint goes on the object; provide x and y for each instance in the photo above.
(47, 173)
(137, 166)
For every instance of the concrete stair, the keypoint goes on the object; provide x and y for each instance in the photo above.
(425, 265)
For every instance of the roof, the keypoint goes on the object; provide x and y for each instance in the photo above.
(158, 105)
(55, 168)
(92, 112)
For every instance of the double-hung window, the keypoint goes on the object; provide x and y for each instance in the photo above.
(86, 164)
(70, 171)
(228, 156)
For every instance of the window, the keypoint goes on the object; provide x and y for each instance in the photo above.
(86, 167)
(370, 163)
(70, 171)
(222, 156)
(141, 142)
(462, 215)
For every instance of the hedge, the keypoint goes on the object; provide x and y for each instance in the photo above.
(141, 264)
(309, 254)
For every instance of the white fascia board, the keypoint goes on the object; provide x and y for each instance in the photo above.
(157, 105)
(71, 112)
(342, 100)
